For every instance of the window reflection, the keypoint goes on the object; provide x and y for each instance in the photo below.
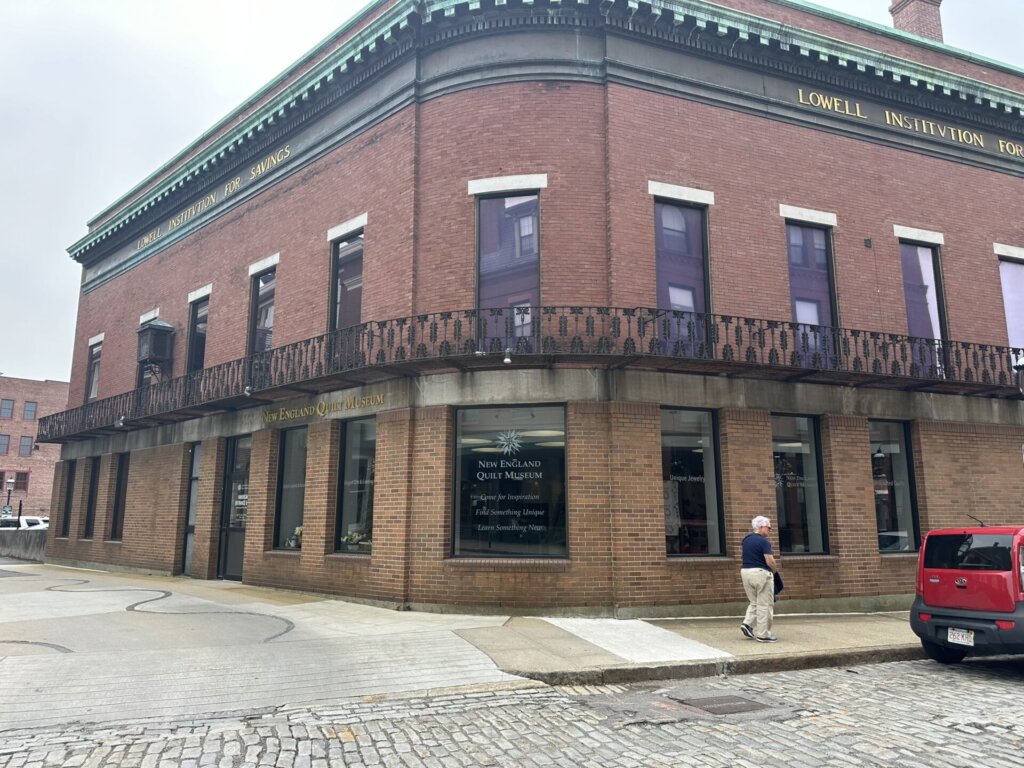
(690, 482)
(798, 496)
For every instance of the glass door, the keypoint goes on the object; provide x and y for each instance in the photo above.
(235, 508)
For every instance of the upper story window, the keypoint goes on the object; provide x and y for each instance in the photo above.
(347, 282)
(1011, 276)
(810, 275)
(262, 329)
(199, 311)
(922, 282)
(92, 383)
(21, 481)
(6, 409)
(29, 412)
(25, 446)
(5, 444)
(508, 259)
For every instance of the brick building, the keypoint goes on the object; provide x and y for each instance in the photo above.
(26, 467)
(517, 305)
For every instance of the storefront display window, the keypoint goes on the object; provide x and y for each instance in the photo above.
(895, 508)
(690, 478)
(354, 528)
(291, 490)
(800, 505)
(510, 482)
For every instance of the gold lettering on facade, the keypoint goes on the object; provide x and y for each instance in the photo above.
(321, 409)
(232, 186)
(831, 103)
(1011, 148)
(269, 162)
(192, 211)
(931, 128)
(148, 238)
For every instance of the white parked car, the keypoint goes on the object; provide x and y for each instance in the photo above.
(25, 522)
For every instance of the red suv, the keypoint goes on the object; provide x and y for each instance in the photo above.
(970, 592)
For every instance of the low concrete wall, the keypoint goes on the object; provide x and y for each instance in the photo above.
(24, 545)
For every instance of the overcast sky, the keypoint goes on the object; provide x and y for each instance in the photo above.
(95, 95)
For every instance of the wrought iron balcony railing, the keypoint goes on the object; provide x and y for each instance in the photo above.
(548, 336)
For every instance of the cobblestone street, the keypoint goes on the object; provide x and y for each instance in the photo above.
(899, 714)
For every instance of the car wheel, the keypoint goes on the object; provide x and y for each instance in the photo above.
(942, 654)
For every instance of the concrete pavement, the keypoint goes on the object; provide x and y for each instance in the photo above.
(90, 646)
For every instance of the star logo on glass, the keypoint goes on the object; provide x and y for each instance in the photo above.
(509, 442)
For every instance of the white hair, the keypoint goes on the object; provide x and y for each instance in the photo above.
(759, 522)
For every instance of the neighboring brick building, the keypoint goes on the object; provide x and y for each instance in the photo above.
(26, 467)
(509, 306)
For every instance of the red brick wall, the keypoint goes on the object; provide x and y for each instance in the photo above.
(50, 397)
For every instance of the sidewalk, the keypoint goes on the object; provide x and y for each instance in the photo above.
(80, 645)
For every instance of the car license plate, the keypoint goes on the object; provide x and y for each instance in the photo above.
(960, 636)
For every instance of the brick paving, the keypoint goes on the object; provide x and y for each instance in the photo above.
(907, 714)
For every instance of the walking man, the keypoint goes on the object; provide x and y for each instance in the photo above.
(758, 575)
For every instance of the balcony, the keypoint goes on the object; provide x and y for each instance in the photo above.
(549, 337)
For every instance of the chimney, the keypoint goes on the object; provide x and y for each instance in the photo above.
(919, 17)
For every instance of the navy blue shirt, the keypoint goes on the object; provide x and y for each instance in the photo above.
(755, 547)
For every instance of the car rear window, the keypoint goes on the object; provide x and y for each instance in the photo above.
(969, 551)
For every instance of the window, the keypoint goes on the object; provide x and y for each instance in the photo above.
(354, 527)
(29, 413)
(69, 497)
(92, 384)
(681, 267)
(117, 512)
(348, 282)
(90, 502)
(813, 293)
(922, 290)
(262, 330)
(3, 479)
(891, 471)
(21, 481)
(689, 473)
(1011, 275)
(6, 409)
(291, 489)
(25, 446)
(509, 271)
(198, 313)
(799, 496)
(195, 451)
(5, 444)
(510, 482)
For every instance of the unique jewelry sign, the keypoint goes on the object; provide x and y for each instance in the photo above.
(510, 479)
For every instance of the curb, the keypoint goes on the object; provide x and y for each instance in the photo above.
(748, 665)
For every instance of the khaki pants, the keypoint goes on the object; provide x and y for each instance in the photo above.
(760, 588)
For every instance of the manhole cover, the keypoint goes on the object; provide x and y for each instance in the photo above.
(724, 705)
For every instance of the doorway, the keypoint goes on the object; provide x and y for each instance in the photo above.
(235, 508)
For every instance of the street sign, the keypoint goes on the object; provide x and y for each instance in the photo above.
(7, 509)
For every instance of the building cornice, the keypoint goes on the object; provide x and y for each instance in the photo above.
(366, 39)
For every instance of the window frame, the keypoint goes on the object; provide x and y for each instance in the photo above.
(89, 523)
(278, 495)
(69, 499)
(21, 481)
(940, 290)
(193, 317)
(815, 422)
(719, 495)
(338, 545)
(704, 211)
(254, 309)
(5, 444)
(915, 507)
(337, 261)
(25, 410)
(119, 506)
(6, 408)
(92, 370)
(25, 444)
